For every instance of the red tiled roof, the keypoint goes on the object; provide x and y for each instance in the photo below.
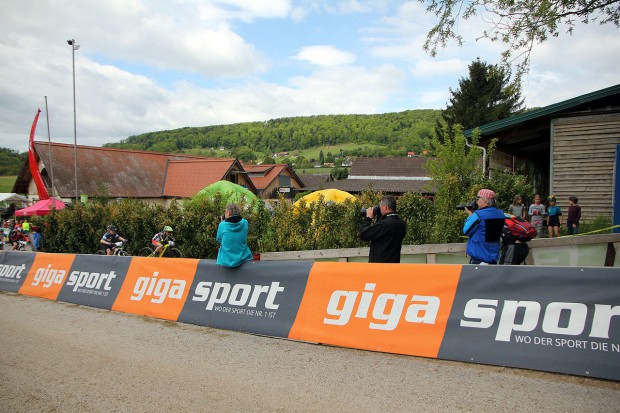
(270, 172)
(125, 173)
(106, 171)
(185, 178)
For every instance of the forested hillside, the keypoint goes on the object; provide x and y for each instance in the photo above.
(407, 130)
(11, 161)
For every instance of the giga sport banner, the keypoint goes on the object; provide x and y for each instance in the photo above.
(555, 319)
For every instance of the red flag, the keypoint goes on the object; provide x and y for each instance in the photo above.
(32, 161)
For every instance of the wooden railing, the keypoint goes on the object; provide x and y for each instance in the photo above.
(586, 250)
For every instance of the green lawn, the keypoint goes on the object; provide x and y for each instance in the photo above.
(313, 170)
(313, 153)
(6, 183)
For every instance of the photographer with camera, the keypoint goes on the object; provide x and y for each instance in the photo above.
(386, 234)
(484, 228)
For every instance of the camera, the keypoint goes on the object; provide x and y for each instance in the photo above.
(472, 206)
(222, 217)
(376, 210)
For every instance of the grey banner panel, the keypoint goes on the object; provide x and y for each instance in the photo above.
(94, 280)
(564, 320)
(260, 297)
(14, 267)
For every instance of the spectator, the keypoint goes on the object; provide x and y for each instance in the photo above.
(386, 235)
(537, 213)
(513, 251)
(554, 217)
(484, 229)
(232, 235)
(517, 208)
(574, 215)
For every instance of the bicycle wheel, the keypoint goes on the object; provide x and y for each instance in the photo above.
(123, 253)
(146, 252)
(174, 253)
(100, 252)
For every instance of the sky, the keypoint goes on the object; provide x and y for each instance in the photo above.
(146, 66)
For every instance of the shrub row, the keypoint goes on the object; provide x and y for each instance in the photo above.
(276, 226)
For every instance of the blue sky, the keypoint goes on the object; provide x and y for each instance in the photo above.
(153, 65)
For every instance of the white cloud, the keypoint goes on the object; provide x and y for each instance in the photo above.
(425, 68)
(569, 66)
(323, 55)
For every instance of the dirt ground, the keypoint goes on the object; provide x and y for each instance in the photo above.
(59, 357)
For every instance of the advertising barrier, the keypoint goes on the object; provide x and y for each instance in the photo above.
(563, 320)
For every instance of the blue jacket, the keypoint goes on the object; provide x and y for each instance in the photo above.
(484, 228)
(232, 236)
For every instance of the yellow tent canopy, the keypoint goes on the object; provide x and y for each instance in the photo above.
(329, 195)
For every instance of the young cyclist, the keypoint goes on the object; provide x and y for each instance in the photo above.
(111, 240)
(17, 238)
(162, 238)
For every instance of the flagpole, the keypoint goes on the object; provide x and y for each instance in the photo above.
(49, 149)
(73, 46)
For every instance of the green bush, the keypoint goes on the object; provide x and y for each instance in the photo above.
(277, 226)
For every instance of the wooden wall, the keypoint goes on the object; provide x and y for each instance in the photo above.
(583, 151)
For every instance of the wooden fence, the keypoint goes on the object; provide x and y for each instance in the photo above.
(586, 250)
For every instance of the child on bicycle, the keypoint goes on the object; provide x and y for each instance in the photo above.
(18, 239)
(162, 238)
(111, 240)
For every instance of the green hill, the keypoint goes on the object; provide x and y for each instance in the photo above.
(402, 131)
(11, 161)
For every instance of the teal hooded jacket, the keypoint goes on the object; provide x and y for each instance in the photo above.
(232, 235)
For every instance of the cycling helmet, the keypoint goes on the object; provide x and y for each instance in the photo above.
(167, 228)
(551, 198)
(111, 228)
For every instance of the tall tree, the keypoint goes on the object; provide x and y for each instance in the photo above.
(487, 95)
(518, 23)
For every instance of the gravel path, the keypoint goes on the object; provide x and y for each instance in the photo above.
(59, 357)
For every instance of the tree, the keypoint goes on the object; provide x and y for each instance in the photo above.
(518, 23)
(487, 95)
(340, 173)
(455, 170)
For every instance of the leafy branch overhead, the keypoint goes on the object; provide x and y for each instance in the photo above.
(520, 24)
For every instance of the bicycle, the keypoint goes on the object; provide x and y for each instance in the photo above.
(167, 251)
(21, 245)
(118, 249)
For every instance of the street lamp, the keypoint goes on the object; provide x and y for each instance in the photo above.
(74, 47)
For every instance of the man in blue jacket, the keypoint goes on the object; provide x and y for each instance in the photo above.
(232, 235)
(484, 229)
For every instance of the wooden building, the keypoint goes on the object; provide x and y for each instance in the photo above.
(568, 149)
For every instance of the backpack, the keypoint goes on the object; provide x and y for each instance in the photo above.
(521, 229)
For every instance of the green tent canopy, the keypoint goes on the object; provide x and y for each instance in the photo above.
(231, 193)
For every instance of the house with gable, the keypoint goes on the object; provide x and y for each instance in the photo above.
(273, 179)
(119, 173)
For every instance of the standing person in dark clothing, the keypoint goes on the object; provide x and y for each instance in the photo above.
(386, 235)
(574, 215)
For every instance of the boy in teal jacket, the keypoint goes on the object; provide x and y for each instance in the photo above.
(232, 235)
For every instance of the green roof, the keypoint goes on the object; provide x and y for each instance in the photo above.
(546, 111)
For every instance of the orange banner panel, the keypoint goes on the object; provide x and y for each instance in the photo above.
(47, 275)
(396, 308)
(156, 287)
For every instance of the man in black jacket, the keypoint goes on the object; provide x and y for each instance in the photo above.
(386, 235)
